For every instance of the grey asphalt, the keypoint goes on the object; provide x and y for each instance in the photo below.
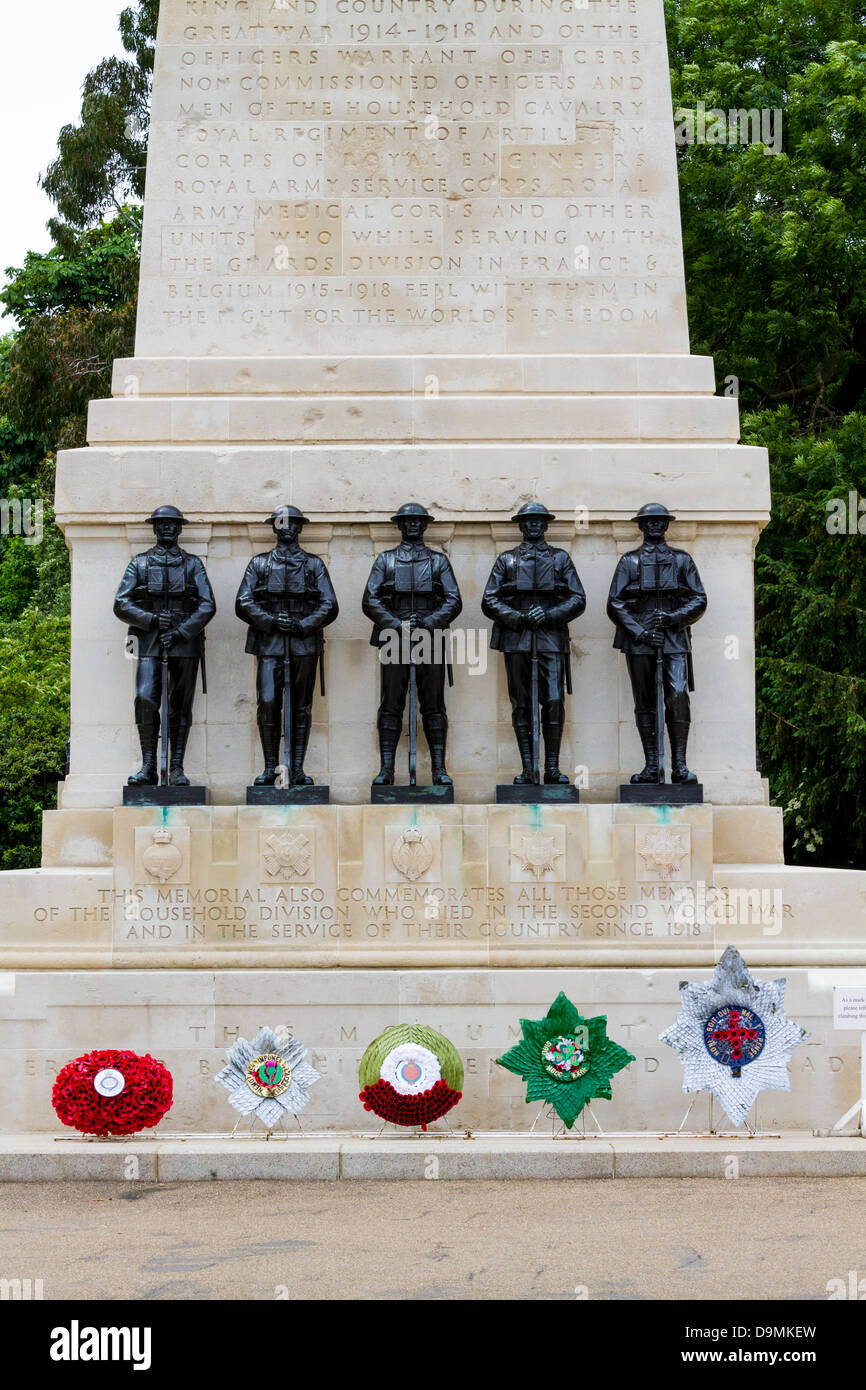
(630, 1239)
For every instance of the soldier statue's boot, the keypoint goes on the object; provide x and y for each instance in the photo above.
(552, 741)
(436, 733)
(678, 729)
(646, 727)
(148, 774)
(523, 734)
(270, 737)
(179, 735)
(389, 737)
(300, 739)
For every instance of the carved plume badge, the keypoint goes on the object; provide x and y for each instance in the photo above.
(412, 854)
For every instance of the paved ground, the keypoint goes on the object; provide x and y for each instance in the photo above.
(687, 1238)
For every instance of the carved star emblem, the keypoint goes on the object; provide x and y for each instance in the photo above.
(537, 854)
(733, 1036)
(288, 853)
(664, 851)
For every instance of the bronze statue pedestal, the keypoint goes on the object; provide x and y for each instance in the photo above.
(165, 796)
(411, 796)
(556, 794)
(288, 796)
(661, 794)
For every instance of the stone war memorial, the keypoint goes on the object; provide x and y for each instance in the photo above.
(412, 331)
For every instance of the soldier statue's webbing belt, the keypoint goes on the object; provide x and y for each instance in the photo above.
(184, 603)
(286, 603)
(634, 591)
(511, 592)
(416, 603)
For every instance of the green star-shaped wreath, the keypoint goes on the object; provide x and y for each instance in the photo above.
(566, 1060)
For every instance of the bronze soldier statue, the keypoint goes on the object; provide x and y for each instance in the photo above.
(287, 598)
(655, 596)
(412, 586)
(533, 593)
(166, 598)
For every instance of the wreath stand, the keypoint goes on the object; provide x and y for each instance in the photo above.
(416, 1131)
(564, 1132)
(752, 1130)
(269, 1133)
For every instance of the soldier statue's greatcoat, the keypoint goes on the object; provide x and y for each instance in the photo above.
(287, 598)
(166, 598)
(412, 587)
(534, 593)
(655, 596)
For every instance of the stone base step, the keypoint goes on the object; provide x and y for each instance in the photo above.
(414, 418)
(434, 1155)
(538, 374)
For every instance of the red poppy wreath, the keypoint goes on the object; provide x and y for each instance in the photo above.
(112, 1092)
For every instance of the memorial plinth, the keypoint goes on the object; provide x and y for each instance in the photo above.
(396, 251)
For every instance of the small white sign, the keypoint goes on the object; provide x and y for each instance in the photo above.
(109, 1082)
(849, 1007)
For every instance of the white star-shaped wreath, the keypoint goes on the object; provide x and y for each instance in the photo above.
(732, 985)
(271, 1108)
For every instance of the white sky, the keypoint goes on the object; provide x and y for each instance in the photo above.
(47, 51)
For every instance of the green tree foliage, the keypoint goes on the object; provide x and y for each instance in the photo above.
(775, 244)
(775, 248)
(101, 162)
(34, 686)
(811, 659)
(75, 311)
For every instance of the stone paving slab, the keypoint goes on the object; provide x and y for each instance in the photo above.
(434, 1155)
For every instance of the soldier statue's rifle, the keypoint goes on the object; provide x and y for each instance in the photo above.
(413, 695)
(163, 770)
(287, 692)
(660, 679)
(536, 732)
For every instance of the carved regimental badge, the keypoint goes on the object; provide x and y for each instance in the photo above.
(162, 856)
(286, 855)
(538, 854)
(662, 854)
(412, 853)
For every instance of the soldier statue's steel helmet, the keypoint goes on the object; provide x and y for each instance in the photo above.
(288, 514)
(654, 510)
(531, 509)
(168, 514)
(411, 509)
